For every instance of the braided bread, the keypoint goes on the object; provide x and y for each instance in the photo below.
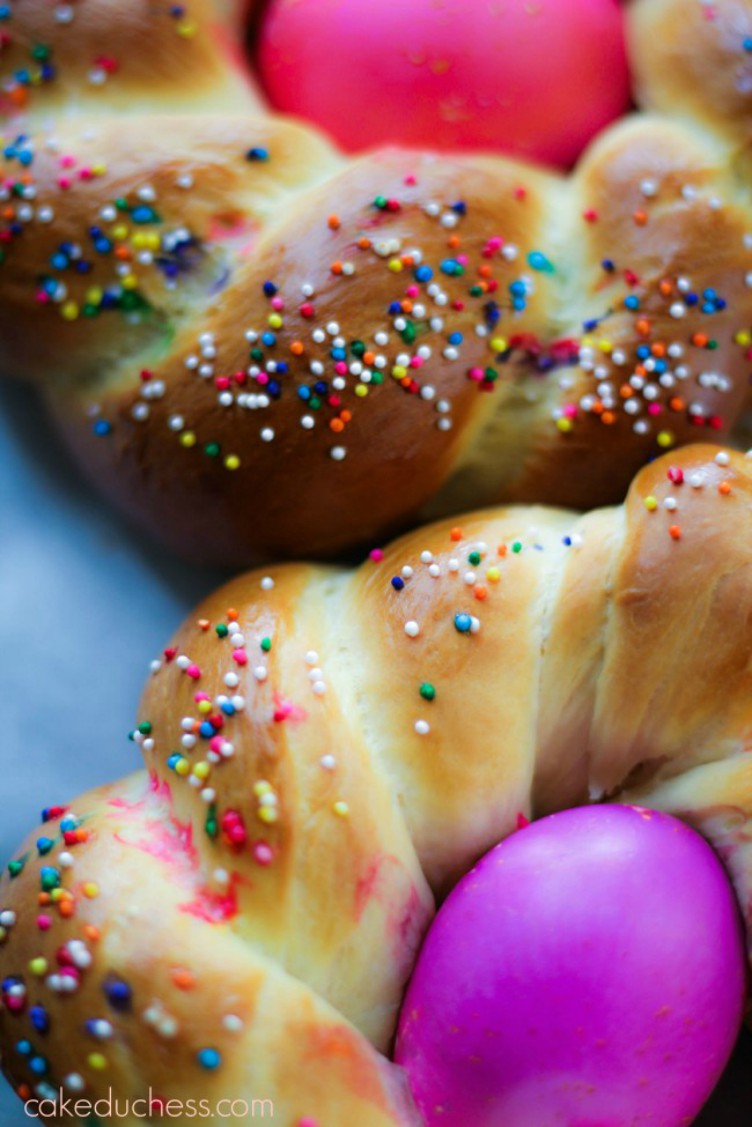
(259, 348)
(327, 750)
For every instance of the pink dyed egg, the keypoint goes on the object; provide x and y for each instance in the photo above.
(588, 972)
(537, 78)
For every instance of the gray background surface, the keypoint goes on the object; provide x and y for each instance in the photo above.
(84, 606)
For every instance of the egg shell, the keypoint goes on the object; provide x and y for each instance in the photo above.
(588, 972)
(537, 78)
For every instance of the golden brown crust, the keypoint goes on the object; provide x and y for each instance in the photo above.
(94, 56)
(316, 740)
(570, 329)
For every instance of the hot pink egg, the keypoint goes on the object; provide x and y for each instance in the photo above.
(536, 78)
(588, 972)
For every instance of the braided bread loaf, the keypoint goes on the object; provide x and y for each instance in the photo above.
(327, 750)
(258, 348)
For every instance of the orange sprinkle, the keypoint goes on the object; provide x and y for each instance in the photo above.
(485, 270)
(640, 218)
(122, 252)
(91, 932)
(480, 591)
(66, 908)
(183, 979)
(336, 267)
(725, 488)
(658, 349)
(608, 418)
(625, 391)
(369, 357)
(676, 403)
(334, 223)
(408, 260)
(345, 416)
(44, 898)
(23, 1091)
(455, 534)
(232, 615)
(700, 340)
(643, 327)
(204, 624)
(337, 425)
(296, 348)
(501, 550)
(453, 241)
(666, 287)
(406, 305)
(364, 243)
(675, 532)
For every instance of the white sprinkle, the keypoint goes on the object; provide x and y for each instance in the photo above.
(311, 658)
(231, 680)
(267, 583)
(232, 1023)
(722, 458)
(74, 1082)
(260, 672)
(412, 629)
(328, 762)
(267, 434)
(422, 727)
(338, 453)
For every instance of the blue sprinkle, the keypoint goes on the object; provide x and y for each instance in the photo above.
(462, 623)
(269, 289)
(257, 153)
(268, 339)
(608, 265)
(538, 261)
(398, 583)
(567, 541)
(44, 845)
(206, 730)
(143, 214)
(747, 43)
(320, 387)
(118, 994)
(209, 1058)
(304, 393)
(40, 1019)
(423, 274)
(632, 302)
(102, 428)
(228, 708)
(24, 1047)
(455, 338)
(460, 207)
(691, 299)
(173, 760)
(38, 1066)
(394, 309)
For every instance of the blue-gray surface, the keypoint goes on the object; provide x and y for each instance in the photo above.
(84, 606)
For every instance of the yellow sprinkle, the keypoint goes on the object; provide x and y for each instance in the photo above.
(38, 966)
(605, 345)
(493, 575)
(204, 707)
(120, 232)
(651, 504)
(498, 344)
(394, 265)
(275, 321)
(232, 462)
(399, 372)
(202, 770)
(94, 295)
(99, 169)
(129, 282)
(91, 890)
(97, 1062)
(665, 439)
(56, 895)
(743, 337)
(262, 787)
(187, 438)
(341, 809)
(182, 767)
(361, 390)
(3, 934)
(267, 814)
(139, 240)
(69, 311)
(587, 342)
(187, 30)
(564, 425)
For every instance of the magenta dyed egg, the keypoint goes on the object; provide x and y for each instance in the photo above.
(538, 80)
(588, 972)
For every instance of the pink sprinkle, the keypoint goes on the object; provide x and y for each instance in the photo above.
(263, 853)
(340, 368)
(240, 656)
(654, 409)
(44, 923)
(201, 695)
(278, 303)
(376, 554)
(475, 374)
(215, 743)
(570, 411)
(194, 672)
(67, 161)
(85, 173)
(412, 291)
(64, 182)
(262, 378)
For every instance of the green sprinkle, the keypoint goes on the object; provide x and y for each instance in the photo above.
(212, 449)
(427, 691)
(474, 558)
(517, 547)
(210, 825)
(266, 644)
(15, 868)
(145, 727)
(222, 630)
